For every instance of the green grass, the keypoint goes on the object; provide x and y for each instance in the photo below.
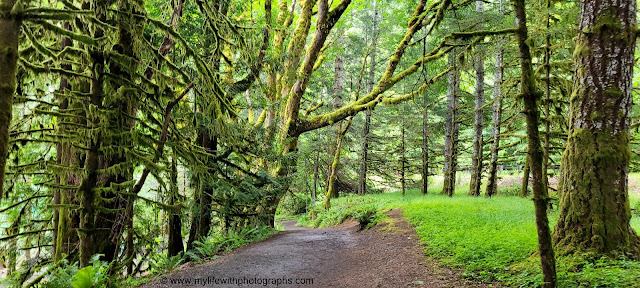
(490, 239)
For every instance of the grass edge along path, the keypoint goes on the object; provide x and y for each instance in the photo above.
(490, 239)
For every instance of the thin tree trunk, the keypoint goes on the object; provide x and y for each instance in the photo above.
(60, 216)
(316, 165)
(476, 158)
(492, 182)
(403, 159)
(451, 127)
(594, 207)
(332, 192)
(540, 194)
(174, 243)
(526, 174)
(547, 99)
(362, 183)
(424, 187)
(338, 85)
(9, 33)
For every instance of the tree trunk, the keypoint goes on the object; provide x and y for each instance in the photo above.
(403, 158)
(332, 192)
(316, 165)
(362, 184)
(476, 158)
(9, 33)
(526, 173)
(540, 194)
(492, 182)
(332, 171)
(60, 216)
(594, 208)
(174, 243)
(424, 187)
(547, 99)
(451, 127)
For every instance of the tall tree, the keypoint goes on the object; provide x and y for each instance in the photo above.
(362, 183)
(424, 171)
(496, 119)
(9, 54)
(530, 97)
(476, 157)
(594, 207)
(452, 128)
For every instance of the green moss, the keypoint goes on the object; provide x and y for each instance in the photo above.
(605, 22)
(595, 210)
(614, 92)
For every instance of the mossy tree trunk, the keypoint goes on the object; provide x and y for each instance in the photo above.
(496, 118)
(9, 33)
(530, 98)
(594, 208)
(332, 192)
(526, 174)
(61, 215)
(547, 98)
(451, 130)
(338, 79)
(476, 157)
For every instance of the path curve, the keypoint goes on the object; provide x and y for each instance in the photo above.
(387, 255)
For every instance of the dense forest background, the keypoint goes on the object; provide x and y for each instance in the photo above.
(142, 134)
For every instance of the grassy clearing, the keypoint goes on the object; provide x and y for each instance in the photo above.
(490, 239)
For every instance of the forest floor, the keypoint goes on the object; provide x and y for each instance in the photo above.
(387, 255)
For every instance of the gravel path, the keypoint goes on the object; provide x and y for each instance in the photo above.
(387, 255)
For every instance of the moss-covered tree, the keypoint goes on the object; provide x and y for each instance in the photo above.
(9, 54)
(594, 209)
(530, 96)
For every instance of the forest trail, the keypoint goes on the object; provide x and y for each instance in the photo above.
(387, 255)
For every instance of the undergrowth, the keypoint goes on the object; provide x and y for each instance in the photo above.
(68, 275)
(363, 210)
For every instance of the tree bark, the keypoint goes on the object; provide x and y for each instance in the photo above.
(547, 99)
(476, 158)
(424, 186)
(9, 54)
(526, 174)
(594, 207)
(451, 127)
(60, 216)
(362, 183)
(530, 98)
(492, 181)
(403, 158)
(332, 192)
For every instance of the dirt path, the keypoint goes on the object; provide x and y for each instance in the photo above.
(387, 255)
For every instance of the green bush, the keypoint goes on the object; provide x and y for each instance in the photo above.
(226, 241)
(367, 216)
(93, 276)
(363, 210)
